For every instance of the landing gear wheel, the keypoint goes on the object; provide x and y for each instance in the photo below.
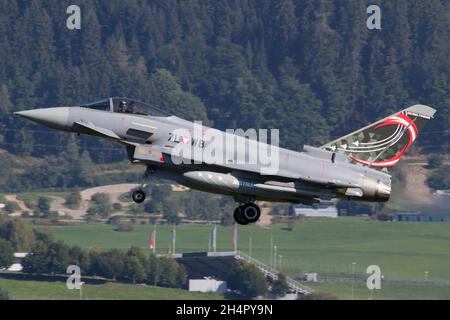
(138, 196)
(250, 212)
(247, 213)
(238, 217)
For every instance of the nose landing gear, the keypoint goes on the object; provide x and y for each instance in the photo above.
(139, 194)
(247, 213)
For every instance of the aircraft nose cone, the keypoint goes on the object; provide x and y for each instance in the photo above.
(52, 117)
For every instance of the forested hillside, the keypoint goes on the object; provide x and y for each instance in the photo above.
(311, 68)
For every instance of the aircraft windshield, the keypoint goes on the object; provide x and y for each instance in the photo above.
(98, 105)
(124, 105)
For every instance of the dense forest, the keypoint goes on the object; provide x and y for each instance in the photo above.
(311, 68)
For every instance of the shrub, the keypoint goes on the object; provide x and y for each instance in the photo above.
(101, 199)
(107, 263)
(18, 233)
(280, 286)
(11, 207)
(247, 279)
(43, 205)
(30, 204)
(435, 162)
(25, 214)
(117, 206)
(73, 200)
(170, 273)
(6, 254)
(101, 205)
(125, 226)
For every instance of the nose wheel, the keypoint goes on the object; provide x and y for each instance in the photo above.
(138, 196)
(247, 213)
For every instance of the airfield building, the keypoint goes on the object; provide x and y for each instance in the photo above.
(326, 209)
(216, 265)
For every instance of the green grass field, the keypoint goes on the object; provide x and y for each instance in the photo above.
(327, 246)
(43, 290)
(343, 291)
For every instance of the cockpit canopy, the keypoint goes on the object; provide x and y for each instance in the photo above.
(125, 105)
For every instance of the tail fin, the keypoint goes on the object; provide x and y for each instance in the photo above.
(382, 143)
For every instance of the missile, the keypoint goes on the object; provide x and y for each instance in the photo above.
(208, 180)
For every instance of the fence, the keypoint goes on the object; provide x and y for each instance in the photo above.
(272, 273)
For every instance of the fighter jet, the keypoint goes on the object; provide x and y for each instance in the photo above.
(353, 167)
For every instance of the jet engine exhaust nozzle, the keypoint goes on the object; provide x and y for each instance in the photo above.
(376, 190)
(383, 191)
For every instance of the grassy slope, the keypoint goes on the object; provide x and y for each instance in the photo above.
(328, 246)
(34, 290)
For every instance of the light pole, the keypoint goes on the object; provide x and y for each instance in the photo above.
(271, 251)
(274, 257)
(174, 237)
(353, 281)
(81, 290)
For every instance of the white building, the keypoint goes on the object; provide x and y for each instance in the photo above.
(442, 193)
(17, 265)
(325, 209)
(311, 276)
(207, 285)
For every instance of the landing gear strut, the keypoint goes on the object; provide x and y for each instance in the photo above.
(139, 195)
(247, 213)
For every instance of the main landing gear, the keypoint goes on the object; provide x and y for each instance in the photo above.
(139, 194)
(247, 213)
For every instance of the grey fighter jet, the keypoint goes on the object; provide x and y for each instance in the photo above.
(352, 167)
